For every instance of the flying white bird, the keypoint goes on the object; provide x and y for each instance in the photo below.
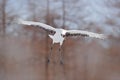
(58, 35)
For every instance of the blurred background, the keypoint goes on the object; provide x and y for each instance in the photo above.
(24, 50)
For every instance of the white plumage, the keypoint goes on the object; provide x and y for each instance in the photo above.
(60, 34)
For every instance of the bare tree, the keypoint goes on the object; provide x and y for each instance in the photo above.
(63, 10)
(46, 39)
(3, 13)
(32, 7)
(47, 22)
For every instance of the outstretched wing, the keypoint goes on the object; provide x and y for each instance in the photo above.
(46, 27)
(84, 34)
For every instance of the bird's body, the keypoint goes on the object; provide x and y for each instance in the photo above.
(59, 35)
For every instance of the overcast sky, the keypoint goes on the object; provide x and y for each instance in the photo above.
(95, 11)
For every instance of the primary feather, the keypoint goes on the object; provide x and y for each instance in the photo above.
(84, 33)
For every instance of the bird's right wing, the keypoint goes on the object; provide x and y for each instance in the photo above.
(38, 24)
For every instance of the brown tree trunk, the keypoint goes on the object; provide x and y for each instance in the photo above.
(46, 42)
(3, 17)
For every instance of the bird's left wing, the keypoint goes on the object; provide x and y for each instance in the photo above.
(38, 24)
(84, 34)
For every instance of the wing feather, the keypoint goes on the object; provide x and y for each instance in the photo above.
(84, 34)
(37, 24)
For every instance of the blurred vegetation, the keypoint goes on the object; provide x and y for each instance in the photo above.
(24, 49)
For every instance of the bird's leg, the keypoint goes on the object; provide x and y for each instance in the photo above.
(61, 56)
(50, 54)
